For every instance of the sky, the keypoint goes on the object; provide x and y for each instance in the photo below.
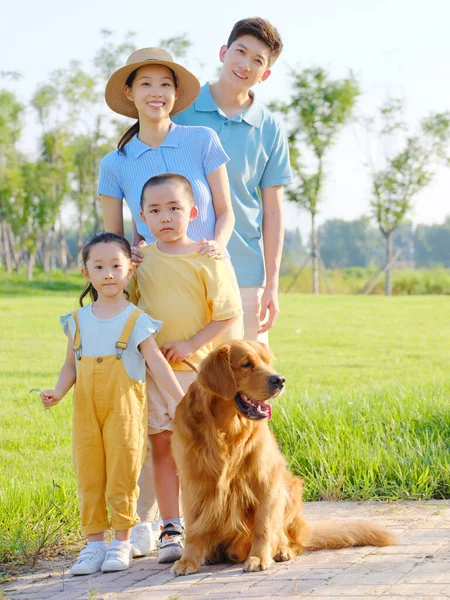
(395, 48)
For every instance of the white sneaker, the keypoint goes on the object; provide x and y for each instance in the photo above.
(142, 539)
(89, 561)
(118, 558)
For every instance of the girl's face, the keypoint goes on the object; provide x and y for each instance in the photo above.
(153, 92)
(108, 269)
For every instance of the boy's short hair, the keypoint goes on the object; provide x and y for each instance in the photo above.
(168, 178)
(262, 30)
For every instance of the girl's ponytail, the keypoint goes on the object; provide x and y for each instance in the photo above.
(89, 290)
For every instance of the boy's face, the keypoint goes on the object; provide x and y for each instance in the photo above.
(246, 62)
(168, 211)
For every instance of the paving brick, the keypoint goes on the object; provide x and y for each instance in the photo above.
(417, 568)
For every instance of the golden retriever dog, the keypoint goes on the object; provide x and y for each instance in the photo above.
(240, 502)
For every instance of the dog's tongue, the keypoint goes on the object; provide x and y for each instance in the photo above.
(266, 408)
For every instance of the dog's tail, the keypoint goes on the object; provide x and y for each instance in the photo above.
(333, 535)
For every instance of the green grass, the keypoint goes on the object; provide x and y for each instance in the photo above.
(366, 412)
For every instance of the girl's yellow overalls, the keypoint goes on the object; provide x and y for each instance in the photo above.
(109, 435)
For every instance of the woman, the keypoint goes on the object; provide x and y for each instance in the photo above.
(152, 87)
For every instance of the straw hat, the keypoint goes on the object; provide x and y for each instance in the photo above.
(188, 84)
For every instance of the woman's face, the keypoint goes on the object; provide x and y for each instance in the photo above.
(153, 92)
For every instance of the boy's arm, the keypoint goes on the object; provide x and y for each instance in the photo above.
(160, 368)
(273, 236)
(66, 379)
(178, 351)
(133, 290)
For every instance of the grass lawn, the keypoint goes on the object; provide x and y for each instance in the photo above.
(366, 412)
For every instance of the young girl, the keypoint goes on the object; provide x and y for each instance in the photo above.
(151, 88)
(109, 343)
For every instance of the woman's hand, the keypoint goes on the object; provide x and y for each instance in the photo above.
(211, 248)
(50, 398)
(136, 254)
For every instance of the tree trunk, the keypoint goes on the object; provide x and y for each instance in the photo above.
(12, 246)
(80, 239)
(30, 265)
(6, 251)
(388, 281)
(314, 255)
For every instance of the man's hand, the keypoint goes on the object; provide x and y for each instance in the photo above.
(211, 248)
(269, 303)
(178, 351)
(136, 254)
(50, 398)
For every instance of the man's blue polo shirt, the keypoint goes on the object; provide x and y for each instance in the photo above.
(259, 157)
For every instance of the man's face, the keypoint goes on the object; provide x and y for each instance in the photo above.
(246, 62)
(167, 211)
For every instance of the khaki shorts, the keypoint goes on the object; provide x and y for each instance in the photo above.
(161, 405)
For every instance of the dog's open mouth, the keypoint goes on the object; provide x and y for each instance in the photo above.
(253, 409)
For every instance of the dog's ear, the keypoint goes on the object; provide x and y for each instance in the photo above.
(216, 374)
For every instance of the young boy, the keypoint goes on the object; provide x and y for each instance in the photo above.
(194, 298)
(259, 162)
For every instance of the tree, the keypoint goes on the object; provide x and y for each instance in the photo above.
(406, 170)
(11, 123)
(316, 114)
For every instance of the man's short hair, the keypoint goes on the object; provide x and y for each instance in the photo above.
(169, 178)
(262, 30)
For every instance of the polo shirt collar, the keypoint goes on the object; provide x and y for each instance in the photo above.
(136, 147)
(253, 115)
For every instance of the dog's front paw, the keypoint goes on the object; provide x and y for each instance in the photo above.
(283, 554)
(185, 567)
(257, 563)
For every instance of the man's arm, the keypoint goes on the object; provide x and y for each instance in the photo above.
(273, 237)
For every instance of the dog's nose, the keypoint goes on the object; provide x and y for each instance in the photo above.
(277, 381)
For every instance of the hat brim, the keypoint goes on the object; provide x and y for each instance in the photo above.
(188, 88)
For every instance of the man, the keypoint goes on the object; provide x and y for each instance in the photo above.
(258, 168)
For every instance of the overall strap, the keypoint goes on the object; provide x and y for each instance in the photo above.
(76, 340)
(122, 344)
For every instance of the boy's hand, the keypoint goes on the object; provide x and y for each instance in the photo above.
(136, 254)
(49, 398)
(178, 351)
(211, 248)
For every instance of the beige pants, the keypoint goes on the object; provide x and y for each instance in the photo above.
(147, 506)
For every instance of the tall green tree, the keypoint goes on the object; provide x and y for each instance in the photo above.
(318, 110)
(11, 184)
(407, 168)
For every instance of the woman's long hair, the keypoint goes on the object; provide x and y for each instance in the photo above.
(134, 129)
(101, 238)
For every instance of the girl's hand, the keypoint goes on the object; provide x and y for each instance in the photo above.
(211, 248)
(49, 398)
(178, 351)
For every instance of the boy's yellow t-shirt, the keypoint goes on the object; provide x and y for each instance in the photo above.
(185, 292)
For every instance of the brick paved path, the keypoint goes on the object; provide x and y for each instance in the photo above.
(418, 568)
